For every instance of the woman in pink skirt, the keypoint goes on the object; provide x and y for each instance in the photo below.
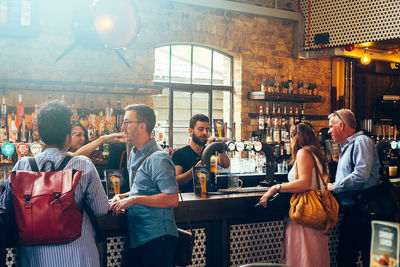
(303, 246)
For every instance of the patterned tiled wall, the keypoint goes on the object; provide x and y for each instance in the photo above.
(350, 22)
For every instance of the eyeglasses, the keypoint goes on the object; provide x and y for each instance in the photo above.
(337, 115)
(129, 122)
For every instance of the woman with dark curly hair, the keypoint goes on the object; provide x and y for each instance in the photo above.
(54, 125)
(79, 140)
(303, 246)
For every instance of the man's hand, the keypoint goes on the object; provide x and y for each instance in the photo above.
(120, 206)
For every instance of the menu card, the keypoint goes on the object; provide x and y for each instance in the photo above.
(385, 244)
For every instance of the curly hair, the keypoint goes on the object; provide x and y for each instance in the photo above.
(54, 123)
(304, 136)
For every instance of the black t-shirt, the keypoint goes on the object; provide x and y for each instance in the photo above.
(186, 158)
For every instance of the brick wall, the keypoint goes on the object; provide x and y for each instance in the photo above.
(261, 48)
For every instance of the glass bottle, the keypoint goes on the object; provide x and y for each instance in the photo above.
(3, 123)
(19, 112)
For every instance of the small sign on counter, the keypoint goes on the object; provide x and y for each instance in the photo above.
(385, 244)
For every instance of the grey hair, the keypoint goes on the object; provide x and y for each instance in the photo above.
(346, 115)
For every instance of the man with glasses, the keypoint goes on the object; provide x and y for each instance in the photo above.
(187, 157)
(153, 195)
(358, 169)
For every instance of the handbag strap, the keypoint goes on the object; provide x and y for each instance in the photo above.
(186, 215)
(318, 171)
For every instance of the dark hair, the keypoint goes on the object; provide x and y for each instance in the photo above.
(304, 137)
(85, 132)
(198, 117)
(54, 123)
(145, 114)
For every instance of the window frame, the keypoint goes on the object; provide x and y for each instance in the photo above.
(195, 88)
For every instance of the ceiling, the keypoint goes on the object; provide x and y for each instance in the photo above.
(383, 46)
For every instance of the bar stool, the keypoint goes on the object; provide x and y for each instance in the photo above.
(260, 264)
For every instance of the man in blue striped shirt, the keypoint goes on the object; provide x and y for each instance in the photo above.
(153, 195)
(54, 124)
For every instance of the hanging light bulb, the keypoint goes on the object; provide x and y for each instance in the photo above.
(365, 59)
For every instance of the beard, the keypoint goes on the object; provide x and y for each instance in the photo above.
(197, 140)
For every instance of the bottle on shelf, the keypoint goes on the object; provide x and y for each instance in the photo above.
(22, 132)
(108, 117)
(91, 127)
(119, 116)
(20, 111)
(261, 119)
(290, 85)
(3, 123)
(276, 85)
(13, 134)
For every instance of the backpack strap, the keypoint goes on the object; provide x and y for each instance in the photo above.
(64, 162)
(33, 164)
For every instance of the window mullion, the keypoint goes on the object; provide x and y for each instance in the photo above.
(191, 64)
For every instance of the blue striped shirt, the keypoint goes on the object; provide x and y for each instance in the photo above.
(82, 251)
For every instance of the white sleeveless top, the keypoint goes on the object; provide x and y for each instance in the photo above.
(292, 175)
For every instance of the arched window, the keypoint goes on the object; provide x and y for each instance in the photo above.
(198, 80)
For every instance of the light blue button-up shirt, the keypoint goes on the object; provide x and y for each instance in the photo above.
(156, 175)
(366, 168)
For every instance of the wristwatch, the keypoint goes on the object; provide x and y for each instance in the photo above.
(278, 188)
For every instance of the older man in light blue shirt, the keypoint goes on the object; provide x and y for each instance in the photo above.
(358, 169)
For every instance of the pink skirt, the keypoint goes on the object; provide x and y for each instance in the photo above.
(304, 246)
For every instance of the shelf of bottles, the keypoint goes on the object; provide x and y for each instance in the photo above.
(18, 126)
(286, 91)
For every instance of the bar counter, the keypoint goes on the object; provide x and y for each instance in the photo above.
(229, 230)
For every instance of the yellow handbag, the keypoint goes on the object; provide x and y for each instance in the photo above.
(314, 208)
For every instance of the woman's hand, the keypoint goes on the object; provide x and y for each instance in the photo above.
(112, 137)
(264, 199)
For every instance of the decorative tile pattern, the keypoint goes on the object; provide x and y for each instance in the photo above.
(12, 257)
(115, 249)
(199, 250)
(256, 242)
(350, 22)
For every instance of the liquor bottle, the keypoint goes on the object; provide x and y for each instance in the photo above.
(276, 85)
(296, 115)
(268, 127)
(35, 131)
(261, 119)
(13, 135)
(62, 99)
(22, 132)
(119, 116)
(20, 112)
(108, 117)
(3, 123)
(290, 85)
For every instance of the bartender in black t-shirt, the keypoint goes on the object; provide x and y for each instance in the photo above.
(187, 157)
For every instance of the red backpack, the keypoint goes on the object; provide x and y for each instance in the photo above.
(45, 208)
